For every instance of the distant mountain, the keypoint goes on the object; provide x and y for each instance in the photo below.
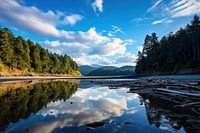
(125, 68)
(96, 65)
(85, 69)
(113, 71)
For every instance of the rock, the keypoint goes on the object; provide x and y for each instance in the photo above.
(88, 128)
(126, 122)
(176, 126)
(95, 124)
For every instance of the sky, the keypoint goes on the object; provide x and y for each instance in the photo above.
(103, 32)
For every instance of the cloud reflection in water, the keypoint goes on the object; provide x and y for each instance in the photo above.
(85, 106)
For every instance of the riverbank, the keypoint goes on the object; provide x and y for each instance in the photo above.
(19, 73)
(25, 78)
(194, 71)
(176, 77)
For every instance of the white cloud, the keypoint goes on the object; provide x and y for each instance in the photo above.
(139, 48)
(98, 5)
(73, 19)
(85, 53)
(126, 59)
(175, 8)
(52, 44)
(157, 22)
(91, 37)
(73, 48)
(110, 34)
(129, 42)
(154, 5)
(137, 20)
(114, 31)
(34, 20)
(185, 8)
(85, 59)
(92, 43)
(84, 46)
(164, 21)
(104, 62)
(113, 46)
(117, 29)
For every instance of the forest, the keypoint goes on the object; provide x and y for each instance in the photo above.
(175, 53)
(22, 57)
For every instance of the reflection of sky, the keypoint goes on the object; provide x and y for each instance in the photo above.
(89, 105)
(86, 106)
(106, 102)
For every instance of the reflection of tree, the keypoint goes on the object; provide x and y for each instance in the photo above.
(22, 102)
(158, 107)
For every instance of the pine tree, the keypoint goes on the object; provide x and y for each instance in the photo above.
(6, 49)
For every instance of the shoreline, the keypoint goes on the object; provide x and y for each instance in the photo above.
(28, 78)
(25, 78)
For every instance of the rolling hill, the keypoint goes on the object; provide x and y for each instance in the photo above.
(85, 69)
(112, 71)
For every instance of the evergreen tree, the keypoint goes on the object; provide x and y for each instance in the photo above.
(36, 62)
(18, 59)
(6, 48)
(45, 60)
(25, 55)
(173, 53)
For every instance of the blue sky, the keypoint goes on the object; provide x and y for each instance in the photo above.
(104, 32)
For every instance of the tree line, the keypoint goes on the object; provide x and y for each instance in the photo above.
(27, 56)
(175, 52)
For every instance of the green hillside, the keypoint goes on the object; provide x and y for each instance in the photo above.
(24, 57)
(85, 69)
(113, 71)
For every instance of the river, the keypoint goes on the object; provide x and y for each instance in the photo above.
(81, 106)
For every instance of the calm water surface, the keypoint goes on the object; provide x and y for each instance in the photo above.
(70, 106)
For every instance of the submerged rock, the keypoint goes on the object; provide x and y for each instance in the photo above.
(95, 124)
(87, 128)
(126, 122)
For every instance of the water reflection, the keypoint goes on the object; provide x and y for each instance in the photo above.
(67, 106)
(49, 108)
(160, 110)
(85, 106)
(23, 99)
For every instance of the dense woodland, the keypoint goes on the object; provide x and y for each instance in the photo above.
(18, 55)
(174, 53)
